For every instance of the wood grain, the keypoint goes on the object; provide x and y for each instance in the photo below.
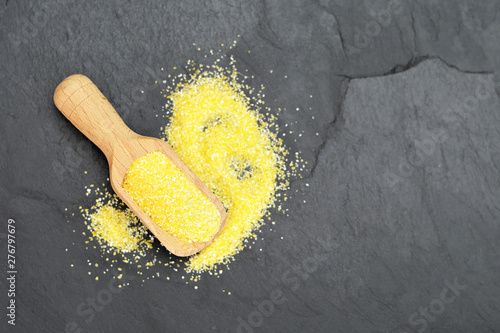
(79, 99)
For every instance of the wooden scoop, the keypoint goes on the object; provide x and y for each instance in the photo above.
(86, 107)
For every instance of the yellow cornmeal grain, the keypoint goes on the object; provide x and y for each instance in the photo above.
(117, 228)
(219, 131)
(172, 201)
(230, 147)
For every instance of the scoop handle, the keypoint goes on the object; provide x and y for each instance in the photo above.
(79, 99)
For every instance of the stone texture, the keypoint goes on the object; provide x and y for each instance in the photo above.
(403, 159)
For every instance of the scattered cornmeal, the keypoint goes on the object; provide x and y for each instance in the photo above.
(230, 147)
(117, 228)
(218, 128)
(172, 201)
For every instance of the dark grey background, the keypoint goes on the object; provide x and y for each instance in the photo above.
(403, 173)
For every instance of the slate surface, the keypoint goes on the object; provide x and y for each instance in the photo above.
(400, 226)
